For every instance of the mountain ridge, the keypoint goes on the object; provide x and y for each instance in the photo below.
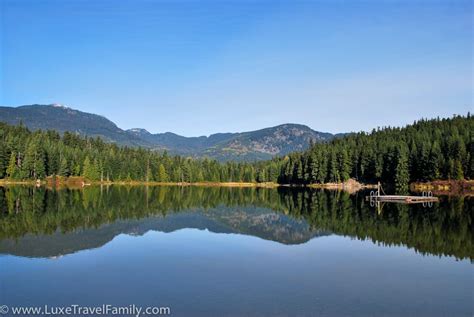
(240, 146)
(255, 222)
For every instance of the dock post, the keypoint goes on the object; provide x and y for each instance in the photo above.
(378, 189)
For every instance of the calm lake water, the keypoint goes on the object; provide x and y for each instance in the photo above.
(235, 252)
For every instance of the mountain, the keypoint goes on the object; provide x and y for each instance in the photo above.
(61, 118)
(266, 143)
(178, 144)
(254, 145)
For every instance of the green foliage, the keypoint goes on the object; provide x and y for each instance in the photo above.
(458, 170)
(32, 155)
(64, 169)
(35, 161)
(426, 150)
(91, 169)
(402, 176)
(244, 146)
(432, 149)
(4, 160)
(12, 168)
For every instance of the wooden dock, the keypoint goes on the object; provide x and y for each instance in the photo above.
(403, 199)
(427, 197)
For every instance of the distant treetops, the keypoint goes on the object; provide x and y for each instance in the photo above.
(423, 151)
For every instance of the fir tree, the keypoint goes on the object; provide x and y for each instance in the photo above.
(12, 169)
(63, 167)
(402, 177)
(162, 174)
(90, 169)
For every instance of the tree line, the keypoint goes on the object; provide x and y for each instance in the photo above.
(35, 155)
(423, 151)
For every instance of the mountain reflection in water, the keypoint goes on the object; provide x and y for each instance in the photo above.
(40, 222)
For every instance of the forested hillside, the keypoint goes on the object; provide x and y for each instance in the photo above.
(61, 119)
(426, 150)
(261, 144)
(249, 146)
(32, 155)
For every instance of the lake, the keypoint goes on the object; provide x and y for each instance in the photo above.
(221, 251)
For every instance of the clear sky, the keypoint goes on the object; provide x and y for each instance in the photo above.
(200, 67)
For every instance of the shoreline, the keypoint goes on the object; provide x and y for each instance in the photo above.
(350, 185)
(439, 187)
(445, 187)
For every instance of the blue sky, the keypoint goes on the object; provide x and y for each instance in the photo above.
(200, 67)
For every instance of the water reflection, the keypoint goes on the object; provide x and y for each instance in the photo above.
(39, 222)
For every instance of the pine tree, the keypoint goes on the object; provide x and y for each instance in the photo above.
(402, 176)
(323, 169)
(261, 176)
(333, 171)
(12, 169)
(344, 165)
(3, 160)
(299, 172)
(458, 173)
(434, 162)
(77, 170)
(63, 167)
(162, 175)
(186, 169)
(34, 162)
(90, 169)
(149, 174)
(313, 168)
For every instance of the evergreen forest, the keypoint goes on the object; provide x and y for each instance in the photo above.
(423, 151)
